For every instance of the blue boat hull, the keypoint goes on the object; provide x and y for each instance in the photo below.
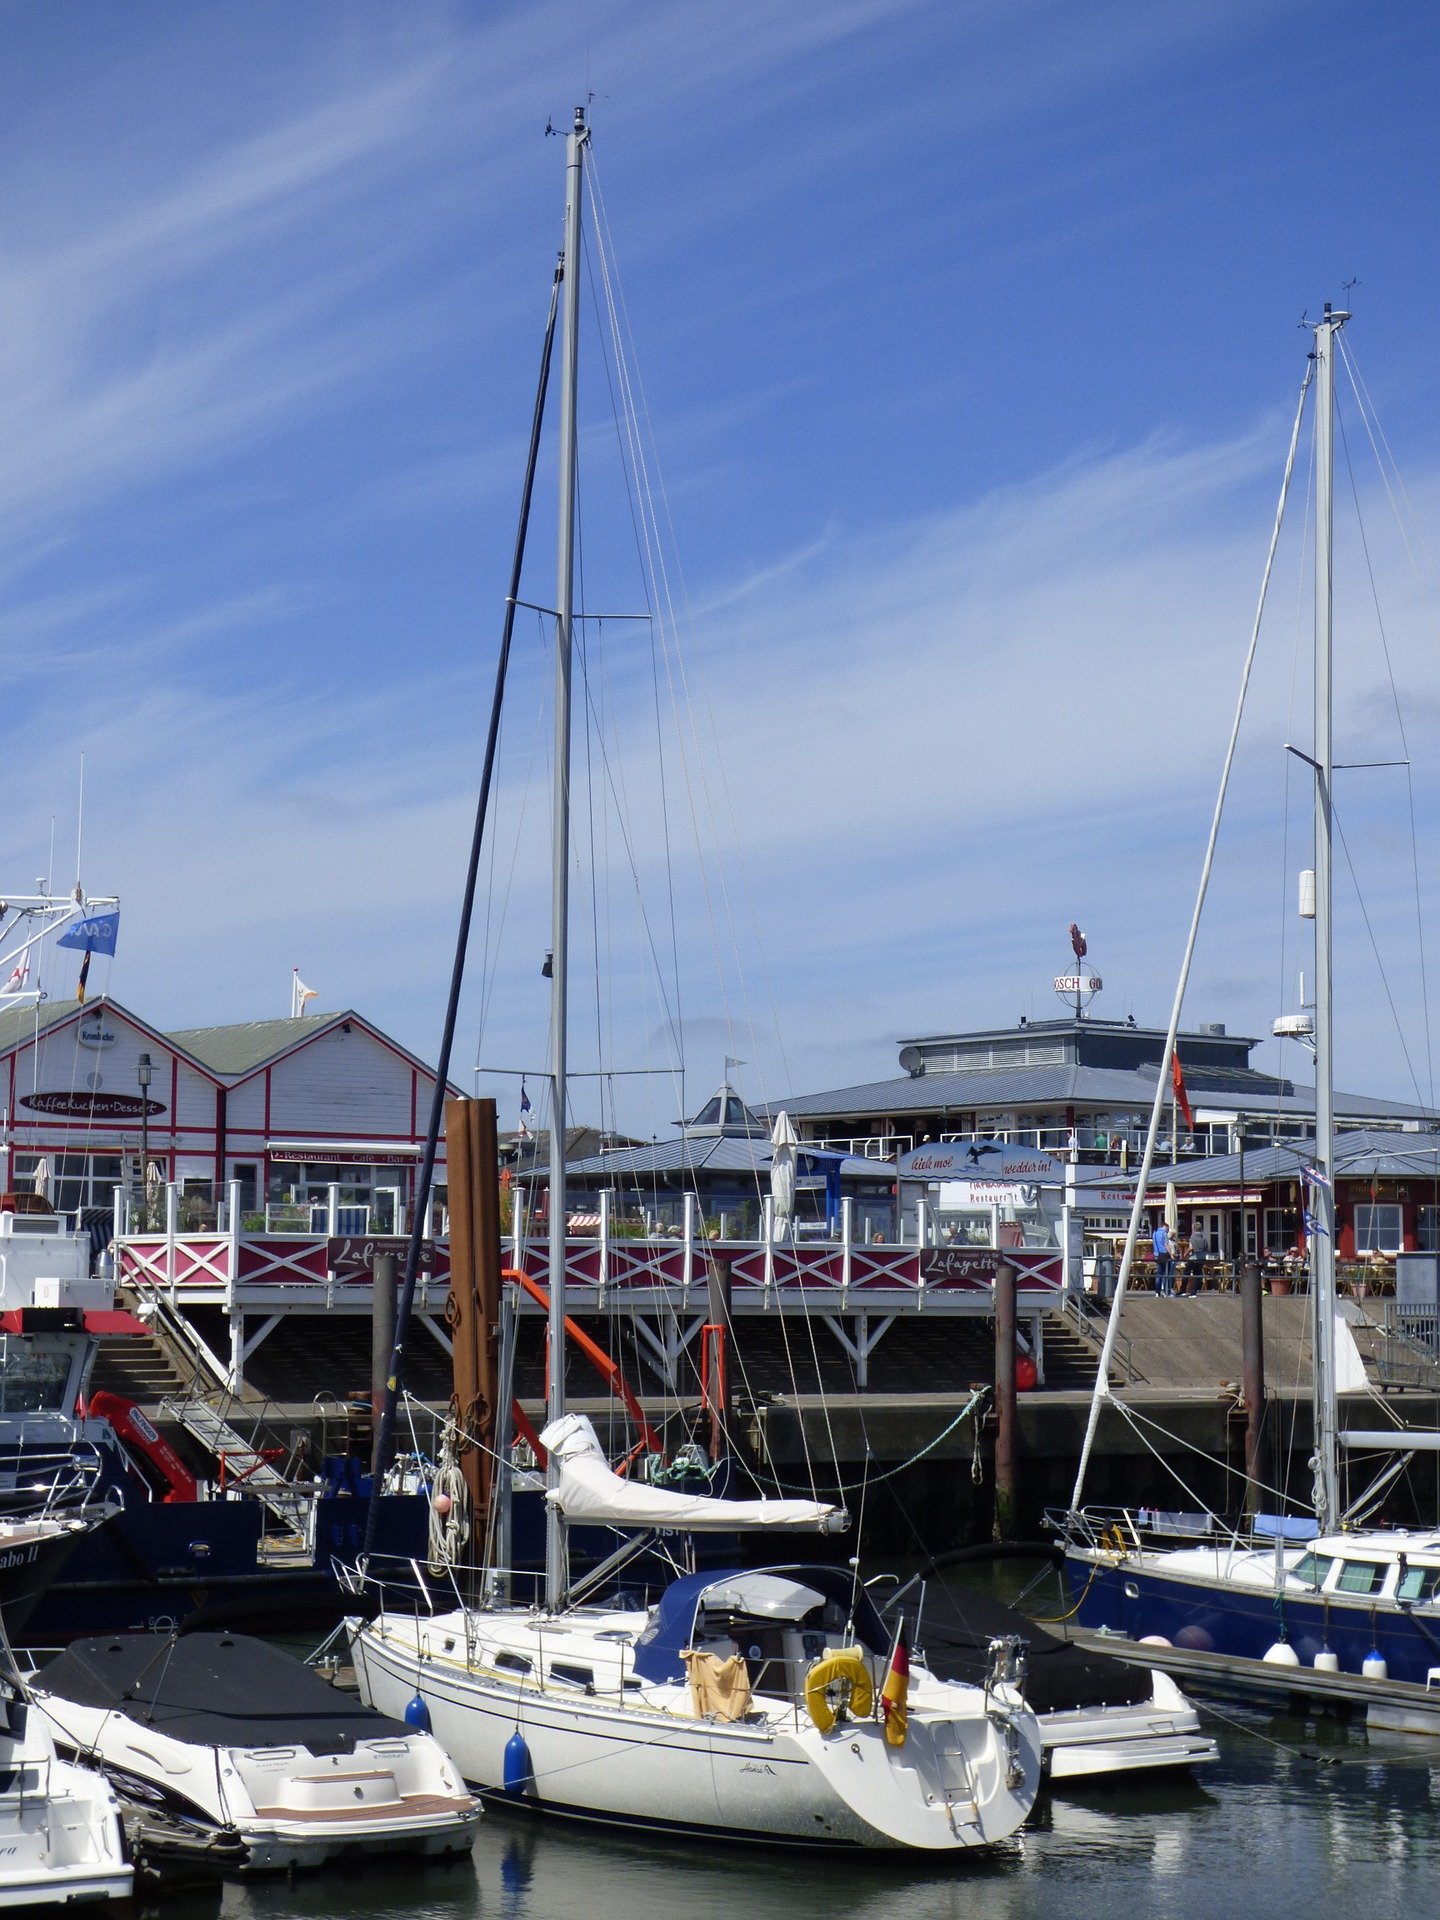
(1244, 1622)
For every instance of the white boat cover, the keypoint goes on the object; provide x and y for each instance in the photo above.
(590, 1493)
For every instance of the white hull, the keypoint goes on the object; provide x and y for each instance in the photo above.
(646, 1761)
(1162, 1732)
(286, 1806)
(60, 1833)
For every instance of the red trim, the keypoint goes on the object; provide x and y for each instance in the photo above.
(108, 1320)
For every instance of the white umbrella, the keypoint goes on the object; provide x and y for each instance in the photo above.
(1172, 1207)
(42, 1179)
(783, 1142)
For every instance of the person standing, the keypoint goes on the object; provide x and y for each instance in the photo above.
(1164, 1250)
(1195, 1264)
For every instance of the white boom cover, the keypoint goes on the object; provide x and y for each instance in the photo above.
(590, 1492)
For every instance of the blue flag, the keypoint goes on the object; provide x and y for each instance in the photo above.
(95, 935)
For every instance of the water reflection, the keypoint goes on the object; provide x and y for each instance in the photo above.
(1319, 1819)
(1347, 1841)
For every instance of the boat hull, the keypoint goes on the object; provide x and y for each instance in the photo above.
(1138, 1599)
(666, 1773)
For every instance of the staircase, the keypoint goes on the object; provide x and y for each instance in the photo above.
(137, 1368)
(204, 1418)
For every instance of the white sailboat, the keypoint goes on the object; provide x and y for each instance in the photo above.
(1345, 1599)
(746, 1704)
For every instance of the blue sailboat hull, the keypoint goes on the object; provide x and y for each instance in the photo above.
(1244, 1622)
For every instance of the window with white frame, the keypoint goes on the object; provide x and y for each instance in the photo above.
(1427, 1229)
(1378, 1229)
(75, 1180)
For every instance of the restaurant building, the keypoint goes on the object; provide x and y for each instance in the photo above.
(288, 1109)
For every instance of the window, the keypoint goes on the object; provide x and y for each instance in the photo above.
(33, 1380)
(77, 1180)
(1361, 1576)
(1419, 1583)
(1378, 1230)
(1313, 1569)
(1282, 1226)
(1427, 1229)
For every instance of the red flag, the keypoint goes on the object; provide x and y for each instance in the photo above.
(1177, 1081)
(894, 1693)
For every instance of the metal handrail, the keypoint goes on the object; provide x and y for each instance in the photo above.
(1079, 1308)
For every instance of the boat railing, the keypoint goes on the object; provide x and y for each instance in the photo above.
(1125, 1530)
(1409, 1350)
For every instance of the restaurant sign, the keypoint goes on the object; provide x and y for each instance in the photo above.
(981, 1160)
(975, 1267)
(351, 1256)
(92, 1106)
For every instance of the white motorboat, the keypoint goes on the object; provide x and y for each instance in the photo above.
(222, 1736)
(1096, 1715)
(61, 1838)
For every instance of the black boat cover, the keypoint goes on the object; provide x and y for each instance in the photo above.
(956, 1630)
(214, 1690)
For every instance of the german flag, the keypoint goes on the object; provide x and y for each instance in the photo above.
(894, 1693)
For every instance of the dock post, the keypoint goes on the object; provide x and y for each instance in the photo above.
(714, 1350)
(1253, 1338)
(383, 1271)
(1004, 1401)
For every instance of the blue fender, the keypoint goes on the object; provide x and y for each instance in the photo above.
(519, 1774)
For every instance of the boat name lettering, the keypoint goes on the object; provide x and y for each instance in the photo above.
(758, 1766)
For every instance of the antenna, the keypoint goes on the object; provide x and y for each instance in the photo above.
(79, 825)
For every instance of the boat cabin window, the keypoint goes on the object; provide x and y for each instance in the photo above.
(513, 1662)
(1313, 1569)
(576, 1676)
(1361, 1576)
(1419, 1583)
(33, 1380)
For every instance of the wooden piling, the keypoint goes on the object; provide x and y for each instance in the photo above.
(1252, 1328)
(1004, 1401)
(473, 1307)
(384, 1270)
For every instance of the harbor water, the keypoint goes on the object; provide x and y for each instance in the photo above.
(1322, 1818)
(1293, 1820)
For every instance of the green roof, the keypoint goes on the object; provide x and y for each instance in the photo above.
(239, 1049)
(19, 1024)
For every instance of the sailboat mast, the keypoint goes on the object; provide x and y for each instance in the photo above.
(1322, 1193)
(556, 1571)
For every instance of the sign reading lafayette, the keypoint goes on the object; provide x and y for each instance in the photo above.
(347, 1258)
(92, 1106)
(975, 1266)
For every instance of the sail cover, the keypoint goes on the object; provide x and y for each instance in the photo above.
(590, 1493)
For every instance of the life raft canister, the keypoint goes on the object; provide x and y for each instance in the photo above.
(845, 1663)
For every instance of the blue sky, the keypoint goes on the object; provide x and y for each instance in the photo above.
(969, 339)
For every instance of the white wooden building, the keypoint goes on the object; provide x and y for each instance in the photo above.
(289, 1109)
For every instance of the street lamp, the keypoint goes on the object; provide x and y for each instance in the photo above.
(145, 1073)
